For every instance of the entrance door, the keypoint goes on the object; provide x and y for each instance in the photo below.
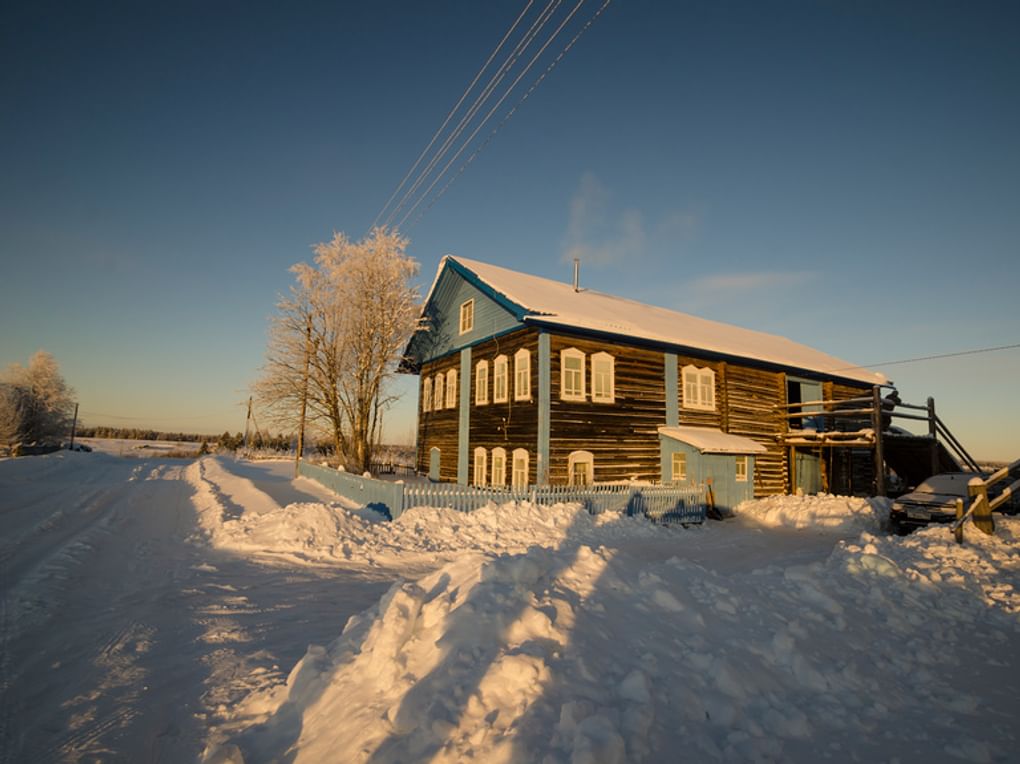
(434, 464)
(807, 472)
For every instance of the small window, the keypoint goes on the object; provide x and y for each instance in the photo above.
(437, 395)
(481, 383)
(699, 388)
(572, 375)
(426, 394)
(679, 471)
(741, 469)
(581, 468)
(451, 389)
(467, 316)
(519, 478)
(522, 375)
(481, 457)
(500, 394)
(498, 467)
(603, 383)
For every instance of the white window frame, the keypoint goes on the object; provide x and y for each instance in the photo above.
(741, 468)
(572, 394)
(609, 395)
(497, 475)
(467, 316)
(481, 460)
(437, 394)
(581, 457)
(451, 389)
(426, 394)
(522, 375)
(500, 372)
(678, 467)
(519, 468)
(699, 388)
(481, 383)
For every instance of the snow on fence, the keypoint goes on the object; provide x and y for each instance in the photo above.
(661, 503)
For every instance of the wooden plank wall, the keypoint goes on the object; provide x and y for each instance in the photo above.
(622, 436)
(439, 428)
(755, 399)
(513, 424)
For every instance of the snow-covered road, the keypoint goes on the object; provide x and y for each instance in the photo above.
(124, 632)
(174, 611)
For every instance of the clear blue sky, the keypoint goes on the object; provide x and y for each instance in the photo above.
(844, 173)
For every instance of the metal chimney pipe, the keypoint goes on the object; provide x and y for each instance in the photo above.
(577, 274)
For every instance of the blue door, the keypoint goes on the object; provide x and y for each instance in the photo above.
(807, 472)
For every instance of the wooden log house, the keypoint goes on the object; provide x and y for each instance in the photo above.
(529, 381)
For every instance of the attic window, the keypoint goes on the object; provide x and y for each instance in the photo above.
(699, 388)
(467, 316)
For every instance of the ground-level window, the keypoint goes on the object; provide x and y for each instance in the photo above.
(519, 478)
(499, 381)
(741, 469)
(426, 394)
(581, 468)
(467, 316)
(481, 457)
(679, 467)
(572, 375)
(481, 383)
(699, 388)
(603, 382)
(451, 389)
(499, 467)
(522, 375)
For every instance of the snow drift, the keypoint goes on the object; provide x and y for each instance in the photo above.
(590, 652)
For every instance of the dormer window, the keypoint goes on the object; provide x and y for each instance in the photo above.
(467, 316)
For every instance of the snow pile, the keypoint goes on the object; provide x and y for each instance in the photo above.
(821, 512)
(597, 655)
(237, 515)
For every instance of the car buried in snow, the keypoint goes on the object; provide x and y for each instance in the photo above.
(934, 501)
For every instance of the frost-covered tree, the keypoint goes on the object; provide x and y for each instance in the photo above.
(349, 315)
(35, 402)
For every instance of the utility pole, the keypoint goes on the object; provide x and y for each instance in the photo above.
(74, 425)
(304, 398)
(246, 420)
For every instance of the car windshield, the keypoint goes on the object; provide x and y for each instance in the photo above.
(951, 483)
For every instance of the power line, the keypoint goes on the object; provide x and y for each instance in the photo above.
(452, 112)
(504, 68)
(510, 113)
(493, 110)
(931, 357)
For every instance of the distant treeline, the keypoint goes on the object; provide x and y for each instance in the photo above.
(226, 441)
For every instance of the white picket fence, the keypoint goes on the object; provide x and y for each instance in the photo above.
(666, 504)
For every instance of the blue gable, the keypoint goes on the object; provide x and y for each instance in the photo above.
(494, 315)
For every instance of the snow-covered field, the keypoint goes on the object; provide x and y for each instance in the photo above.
(167, 611)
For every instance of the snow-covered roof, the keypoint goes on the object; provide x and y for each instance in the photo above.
(709, 440)
(552, 302)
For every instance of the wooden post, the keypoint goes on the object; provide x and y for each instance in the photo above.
(958, 530)
(982, 509)
(876, 423)
(304, 398)
(74, 425)
(933, 434)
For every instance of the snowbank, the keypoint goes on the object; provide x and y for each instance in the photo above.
(591, 655)
(237, 515)
(828, 514)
